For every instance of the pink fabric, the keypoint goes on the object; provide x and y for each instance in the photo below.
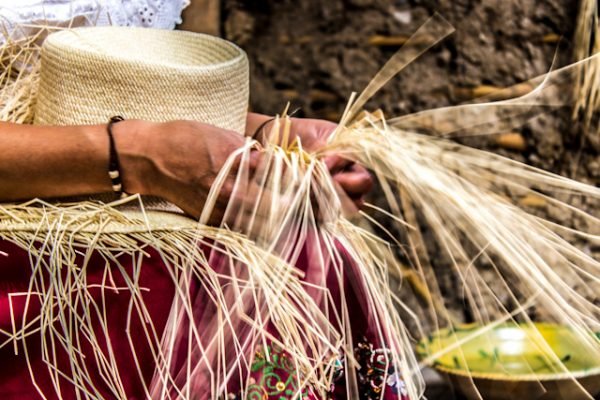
(15, 378)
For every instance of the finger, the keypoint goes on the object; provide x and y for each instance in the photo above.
(359, 169)
(349, 206)
(336, 163)
(355, 183)
(227, 188)
(250, 207)
(254, 160)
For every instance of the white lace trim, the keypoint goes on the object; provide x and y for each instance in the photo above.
(163, 14)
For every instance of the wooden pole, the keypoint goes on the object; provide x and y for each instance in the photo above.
(203, 16)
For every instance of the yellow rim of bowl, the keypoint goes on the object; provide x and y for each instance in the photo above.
(506, 377)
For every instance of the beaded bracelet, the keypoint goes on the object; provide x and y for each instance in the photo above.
(114, 168)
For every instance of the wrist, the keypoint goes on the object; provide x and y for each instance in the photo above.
(137, 168)
(255, 122)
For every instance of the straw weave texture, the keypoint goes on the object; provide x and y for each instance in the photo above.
(91, 74)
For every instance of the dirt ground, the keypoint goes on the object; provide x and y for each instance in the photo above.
(314, 53)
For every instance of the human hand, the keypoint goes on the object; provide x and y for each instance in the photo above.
(179, 161)
(353, 179)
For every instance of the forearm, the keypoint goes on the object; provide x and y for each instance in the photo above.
(48, 161)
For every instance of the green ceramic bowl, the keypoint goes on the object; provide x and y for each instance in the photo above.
(529, 362)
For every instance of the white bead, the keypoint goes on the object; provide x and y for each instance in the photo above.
(113, 174)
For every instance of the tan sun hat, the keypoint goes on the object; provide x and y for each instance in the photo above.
(90, 74)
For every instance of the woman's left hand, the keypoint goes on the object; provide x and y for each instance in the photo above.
(353, 178)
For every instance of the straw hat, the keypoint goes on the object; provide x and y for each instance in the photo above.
(89, 74)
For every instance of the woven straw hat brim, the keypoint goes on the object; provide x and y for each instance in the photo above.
(137, 222)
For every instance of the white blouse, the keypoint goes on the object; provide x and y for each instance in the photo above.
(146, 13)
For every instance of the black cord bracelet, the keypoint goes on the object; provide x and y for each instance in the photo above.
(256, 133)
(260, 128)
(114, 167)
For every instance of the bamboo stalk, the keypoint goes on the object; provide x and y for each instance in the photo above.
(551, 38)
(493, 93)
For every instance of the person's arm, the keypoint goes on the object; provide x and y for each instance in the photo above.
(48, 161)
(254, 121)
(177, 161)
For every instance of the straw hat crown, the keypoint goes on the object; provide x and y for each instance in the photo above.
(90, 74)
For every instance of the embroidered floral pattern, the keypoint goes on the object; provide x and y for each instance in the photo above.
(376, 372)
(274, 376)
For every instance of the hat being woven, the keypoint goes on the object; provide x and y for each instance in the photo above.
(91, 74)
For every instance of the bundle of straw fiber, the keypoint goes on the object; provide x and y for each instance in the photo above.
(245, 271)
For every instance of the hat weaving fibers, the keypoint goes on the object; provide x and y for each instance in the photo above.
(91, 74)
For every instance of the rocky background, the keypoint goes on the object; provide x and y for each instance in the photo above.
(314, 53)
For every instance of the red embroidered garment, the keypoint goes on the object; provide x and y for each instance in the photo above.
(272, 378)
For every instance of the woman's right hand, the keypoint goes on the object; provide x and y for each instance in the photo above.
(177, 161)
